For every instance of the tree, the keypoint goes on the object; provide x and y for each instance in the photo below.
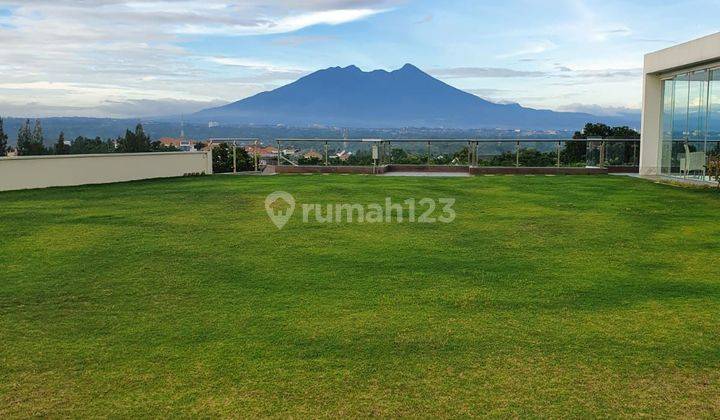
(3, 140)
(37, 134)
(575, 152)
(401, 156)
(310, 161)
(30, 141)
(82, 145)
(24, 138)
(606, 132)
(199, 146)
(244, 161)
(713, 168)
(134, 142)
(157, 146)
(360, 158)
(223, 159)
(60, 147)
(461, 156)
(142, 140)
(528, 157)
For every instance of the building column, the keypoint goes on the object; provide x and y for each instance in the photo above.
(651, 143)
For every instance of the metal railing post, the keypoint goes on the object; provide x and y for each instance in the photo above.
(558, 154)
(469, 153)
(635, 154)
(517, 154)
(602, 154)
(588, 151)
(428, 153)
(279, 162)
(255, 155)
(326, 153)
(234, 157)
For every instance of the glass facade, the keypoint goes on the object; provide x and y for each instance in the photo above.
(690, 123)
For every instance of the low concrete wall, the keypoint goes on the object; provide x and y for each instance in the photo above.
(18, 173)
(623, 169)
(308, 169)
(525, 170)
(480, 170)
(340, 169)
(427, 168)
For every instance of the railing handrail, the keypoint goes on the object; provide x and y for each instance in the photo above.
(464, 140)
(230, 139)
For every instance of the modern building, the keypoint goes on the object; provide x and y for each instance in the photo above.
(681, 109)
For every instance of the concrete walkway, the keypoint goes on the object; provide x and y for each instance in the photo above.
(673, 180)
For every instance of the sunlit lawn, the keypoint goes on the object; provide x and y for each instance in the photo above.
(548, 296)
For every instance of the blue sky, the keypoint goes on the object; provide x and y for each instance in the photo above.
(124, 58)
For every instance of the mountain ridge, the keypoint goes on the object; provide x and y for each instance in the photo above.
(406, 97)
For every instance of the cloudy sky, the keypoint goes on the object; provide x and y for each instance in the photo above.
(116, 58)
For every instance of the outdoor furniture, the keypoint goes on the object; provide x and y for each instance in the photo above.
(692, 161)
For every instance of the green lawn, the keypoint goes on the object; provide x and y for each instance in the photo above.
(548, 296)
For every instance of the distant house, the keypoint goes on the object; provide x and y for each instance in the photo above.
(343, 155)
(312, 154)
(267, 155)
(184, 145)
(210, 145)
(263, 151)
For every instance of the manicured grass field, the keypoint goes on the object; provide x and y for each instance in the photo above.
(548, 296)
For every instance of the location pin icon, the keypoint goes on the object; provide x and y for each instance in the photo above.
(280, 207)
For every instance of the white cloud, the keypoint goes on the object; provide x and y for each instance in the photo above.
(282, 25)
(483, 72)
(249, 63)
(603, 111)
(79, 53)
(531, 49)
(134, 108)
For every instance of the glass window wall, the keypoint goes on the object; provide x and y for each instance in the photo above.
(690, 123)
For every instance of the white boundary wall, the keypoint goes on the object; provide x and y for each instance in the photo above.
(25, 172)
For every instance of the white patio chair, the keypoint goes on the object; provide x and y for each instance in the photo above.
(692, 161)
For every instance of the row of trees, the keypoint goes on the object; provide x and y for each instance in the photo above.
(31, 142)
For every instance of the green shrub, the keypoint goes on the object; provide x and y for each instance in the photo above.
(713, 169)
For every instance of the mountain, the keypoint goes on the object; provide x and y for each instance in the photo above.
(408, 97)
